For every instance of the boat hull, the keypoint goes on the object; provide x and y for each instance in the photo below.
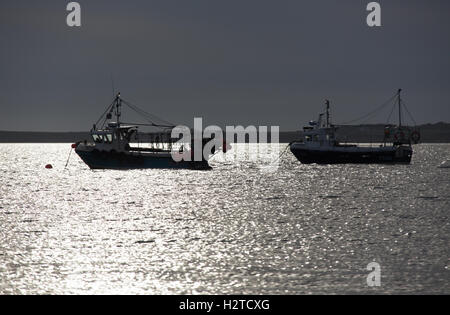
(355, 155)
(114, 160)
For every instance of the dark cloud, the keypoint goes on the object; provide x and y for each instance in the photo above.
(232, 62)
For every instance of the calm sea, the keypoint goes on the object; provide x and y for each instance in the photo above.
(300, 229)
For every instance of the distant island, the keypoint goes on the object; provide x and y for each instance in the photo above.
(430, 133)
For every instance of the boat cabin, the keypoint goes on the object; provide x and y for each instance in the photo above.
(319, 136)
(113, 137)
(320, 132)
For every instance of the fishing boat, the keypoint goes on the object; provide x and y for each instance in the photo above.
(116, 145)
(320, 145)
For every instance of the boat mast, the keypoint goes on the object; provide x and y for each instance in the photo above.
(399, 109)
(327, 102)
(118, 104)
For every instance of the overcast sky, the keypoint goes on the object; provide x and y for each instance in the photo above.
(260, 62)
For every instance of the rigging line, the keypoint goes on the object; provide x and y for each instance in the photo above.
(147, 113)
(282, 153)
(139, 111)
(154, 117)
(389, 118)
(372, 112)
(285, 149)
(410, 116)
(367, 119)
(147, 118)
(67, 162)
(149, 125)
(107, 109)
(152, 123)
(372, 116)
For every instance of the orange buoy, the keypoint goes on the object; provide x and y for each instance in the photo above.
(74, 145)
(48, 166)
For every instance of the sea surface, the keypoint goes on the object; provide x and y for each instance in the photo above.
(238, 229)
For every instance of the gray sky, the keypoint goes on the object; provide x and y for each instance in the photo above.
(232, 62)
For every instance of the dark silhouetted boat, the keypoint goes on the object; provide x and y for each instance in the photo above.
(111, 147)
(319, 144)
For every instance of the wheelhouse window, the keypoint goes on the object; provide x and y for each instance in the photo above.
(109, 137)
(100, 138)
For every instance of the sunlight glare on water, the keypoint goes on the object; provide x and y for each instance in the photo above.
(234, 230)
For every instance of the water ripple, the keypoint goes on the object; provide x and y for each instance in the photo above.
(233, 230)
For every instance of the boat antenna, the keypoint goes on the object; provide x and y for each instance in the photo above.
(399, 108)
